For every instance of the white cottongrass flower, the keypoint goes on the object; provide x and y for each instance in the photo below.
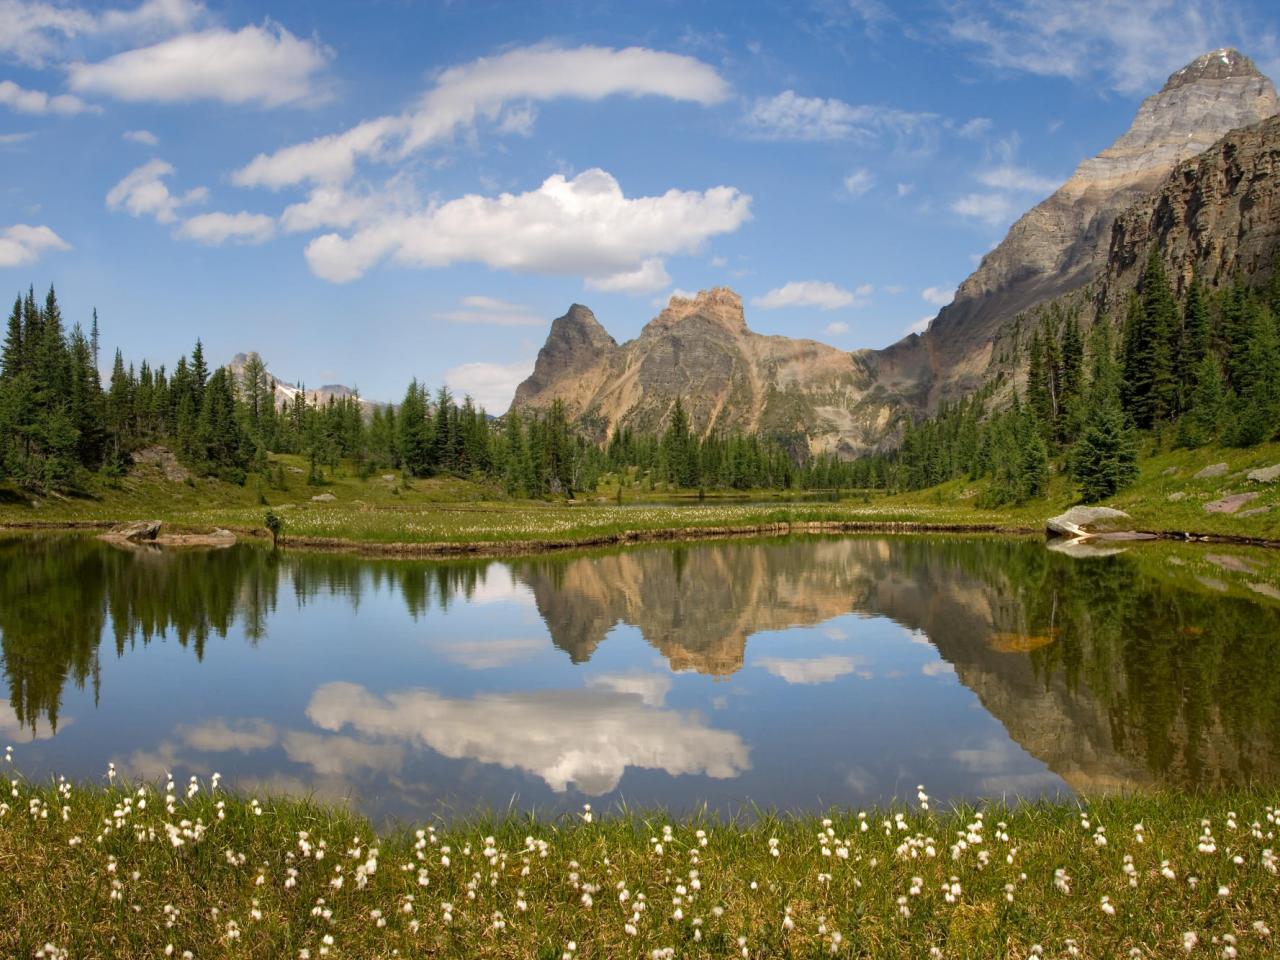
(1189, 941)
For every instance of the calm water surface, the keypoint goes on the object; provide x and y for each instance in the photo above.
(795, 673)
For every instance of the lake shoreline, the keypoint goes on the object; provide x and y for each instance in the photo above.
(662, 534)
(125, 870)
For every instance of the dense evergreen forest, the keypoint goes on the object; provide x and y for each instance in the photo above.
(1178, 374)
(59, 424)
(1187, 373)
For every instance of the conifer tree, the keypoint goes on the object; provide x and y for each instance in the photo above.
(1105, 458)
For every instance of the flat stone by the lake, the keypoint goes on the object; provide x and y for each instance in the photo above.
(1076, 521)
(1212, 470)
(1121, 535)
(1255, 512)
(1265, 474)
(1230, 504)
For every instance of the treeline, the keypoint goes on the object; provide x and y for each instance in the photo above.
(1206, 369)
(58, 423)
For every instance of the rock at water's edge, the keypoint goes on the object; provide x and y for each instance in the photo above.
(140, 531)
(1077, 521)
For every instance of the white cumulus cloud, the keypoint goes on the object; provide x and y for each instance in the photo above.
(143, 192)
(23, 244)
(266, 65)
(651, 275)
(215, 229)
(144, 137)
(812, 293)
(37, 101)
(584, 227)
(499, 89)
(491, 385)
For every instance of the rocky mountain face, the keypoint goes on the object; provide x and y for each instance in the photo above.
(1216, 216)
(728, 377)
(1167, 179)
(287, 392)
(1064, 242)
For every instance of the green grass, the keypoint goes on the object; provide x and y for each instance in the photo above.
(93, 871)
(447, 511)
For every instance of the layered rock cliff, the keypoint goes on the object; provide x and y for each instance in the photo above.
(728, 377)
(1216, 216)
(1063, 243)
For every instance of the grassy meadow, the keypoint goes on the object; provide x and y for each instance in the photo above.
(186, 870)
(456, 513)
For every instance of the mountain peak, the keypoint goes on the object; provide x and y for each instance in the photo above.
(1221, 64)
(719, 304)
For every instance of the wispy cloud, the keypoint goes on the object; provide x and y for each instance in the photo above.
(938, 296)
(858, 182)
(813, 293)
(492, 312)
(789, 116)
(1129, 47)
(490, 89)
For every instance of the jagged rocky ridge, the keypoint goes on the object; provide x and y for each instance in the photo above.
(728, 376)
(1171, 178)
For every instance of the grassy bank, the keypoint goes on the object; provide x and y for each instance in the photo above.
(451, 513)
(95, 871)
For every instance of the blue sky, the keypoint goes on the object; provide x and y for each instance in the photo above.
(370, 191)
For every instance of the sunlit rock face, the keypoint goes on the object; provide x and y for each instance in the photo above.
(700, 350)
(1063, 242)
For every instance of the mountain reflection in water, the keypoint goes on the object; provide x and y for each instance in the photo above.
(794, 672)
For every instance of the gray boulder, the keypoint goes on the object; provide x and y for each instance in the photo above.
(323, 498)
(140, 531)
(1265, 474)
(1211, 471)
(1078, 521)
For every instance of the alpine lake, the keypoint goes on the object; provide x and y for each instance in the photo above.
(795, 674)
